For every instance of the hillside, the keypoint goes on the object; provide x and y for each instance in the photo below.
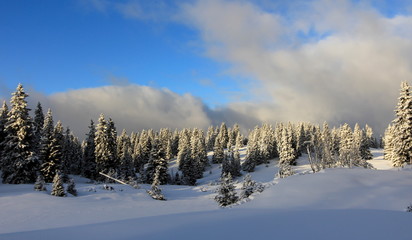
(335, 203)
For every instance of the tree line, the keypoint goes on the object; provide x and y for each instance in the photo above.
(37, 146)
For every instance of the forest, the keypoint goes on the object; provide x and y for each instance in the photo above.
(35, 149)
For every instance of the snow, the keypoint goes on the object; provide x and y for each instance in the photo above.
(338, 203)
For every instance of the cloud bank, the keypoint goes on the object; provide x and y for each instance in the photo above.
(335, 61)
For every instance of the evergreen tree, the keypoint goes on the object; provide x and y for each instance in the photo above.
(3, 120)
(124, 153)
(248, 186)
(157, 162)
(52, 163)
(389, 146)
(253, 151)
(39, 184)
(105, 151)
(20, 161)
(210, 138)
(38, 125)
(89, 157)
(57, 188)
(155, 192)
(327, 145)
(226, 192)
(346, 154)
(45, 146)
(223, 134)
(286, 155)
(403, 127)
(218, 151)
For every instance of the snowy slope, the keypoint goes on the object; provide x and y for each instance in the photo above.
(333, 204)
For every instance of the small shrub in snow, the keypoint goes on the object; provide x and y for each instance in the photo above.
(39, 184)
(226, 192)
(249, 187)
(71, 187)
(409, 208)
(58, 189)
(107, 187)
(285, 170)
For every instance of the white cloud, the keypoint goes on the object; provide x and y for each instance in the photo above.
(347, 69)
(132, 107)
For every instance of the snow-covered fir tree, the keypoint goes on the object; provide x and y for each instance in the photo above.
(403, 128)
(58, 188)
(248, 186)
(105, 151)
(124, 152)
(362, 143)
(3, 120)
(219, 149)
(226, 191)
(198, 152)
(210, 138)
(72, 153)
(327, 146)
(223, 134)
(156, 162)
(89, 157)
(39, 185)
(45, 146)
(346, 146)
(38, 124)
(141, 152)
(52, 163)
(253, 151)
(19, 160)
(155, 192)
(286, 155)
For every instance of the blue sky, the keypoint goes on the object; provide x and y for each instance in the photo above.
(221, 60)
(55, 46)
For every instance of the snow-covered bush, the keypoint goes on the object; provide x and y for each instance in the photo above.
(71, 187)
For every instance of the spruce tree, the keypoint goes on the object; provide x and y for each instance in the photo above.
(3, 120)
(20, 161)
(57, 188)
(105, 151)
(155, 192)
(286, 155)
(248, 186)
(226, 192)
(89, 157)
(39, 184)
(218, 151)
(253, 151)
(124, 152)
(38, 124)
(52, 163)
(346, 153)
(403, 127)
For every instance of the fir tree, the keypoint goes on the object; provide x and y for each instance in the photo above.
(38, 125)
(20, 161)
(105, 151)
(155, 192)
(253, 152)
(3, 120)
(89, 157)
(52, 163)
(248, 186)
(403, 127)
(218, 151)
(39, 184)
(226, 192)
(124, 152)
(57, 188)
(286, 155)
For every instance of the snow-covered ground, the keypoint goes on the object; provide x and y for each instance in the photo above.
(335, 203)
